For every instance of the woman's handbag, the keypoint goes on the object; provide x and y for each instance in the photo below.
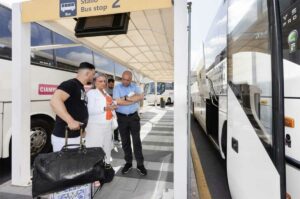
(114, 122)
(57, 171)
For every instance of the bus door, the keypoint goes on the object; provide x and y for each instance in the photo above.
(290, 17)
(253, 166)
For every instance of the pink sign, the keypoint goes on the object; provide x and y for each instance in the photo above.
(47, 89)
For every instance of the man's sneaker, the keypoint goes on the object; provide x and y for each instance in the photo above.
(126, 168)
(142, 170)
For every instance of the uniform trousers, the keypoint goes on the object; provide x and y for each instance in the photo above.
(129, 125)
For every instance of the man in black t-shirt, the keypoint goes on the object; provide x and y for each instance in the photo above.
(70, 105)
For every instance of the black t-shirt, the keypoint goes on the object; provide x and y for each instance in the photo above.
(76, 106)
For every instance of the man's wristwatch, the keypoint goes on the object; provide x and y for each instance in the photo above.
(125, 98)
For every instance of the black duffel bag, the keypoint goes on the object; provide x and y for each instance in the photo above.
(57, 171)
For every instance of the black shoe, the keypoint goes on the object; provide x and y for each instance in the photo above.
(142, 170)
(126, 168)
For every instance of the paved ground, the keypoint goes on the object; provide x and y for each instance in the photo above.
(5, 172)
(157, 139)
(214, 167)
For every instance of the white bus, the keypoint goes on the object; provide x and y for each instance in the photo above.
(247, 100)
(48, 69)
(164, 90)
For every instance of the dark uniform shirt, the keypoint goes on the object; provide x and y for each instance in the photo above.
(76, 106)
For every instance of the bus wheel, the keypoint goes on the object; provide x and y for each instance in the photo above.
(40, 137)
(169, 101)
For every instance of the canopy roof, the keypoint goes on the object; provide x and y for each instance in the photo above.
(147, 47)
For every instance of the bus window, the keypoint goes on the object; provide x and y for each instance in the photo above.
(119, 69)
(41, 36)
(215, 42)
(149, 88)
(146, 87)
(251, 152)
(161, 88)
(169, 86)
(70, 58)
(103, 64)
(152, 88)
(250, 65)
(59, 39)
(5, 33)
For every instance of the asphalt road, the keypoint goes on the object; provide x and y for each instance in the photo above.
(214, 166)
(5, 170)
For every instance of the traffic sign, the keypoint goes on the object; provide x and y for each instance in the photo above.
(44, 10)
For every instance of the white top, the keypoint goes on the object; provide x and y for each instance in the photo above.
(96, 104)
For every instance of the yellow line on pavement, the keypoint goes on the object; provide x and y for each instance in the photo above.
(200, 177)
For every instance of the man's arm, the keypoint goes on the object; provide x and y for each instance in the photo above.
(58, 106)
(120, 100)
(123, 102)
(136, 98)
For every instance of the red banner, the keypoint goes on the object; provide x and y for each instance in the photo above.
(47, 89)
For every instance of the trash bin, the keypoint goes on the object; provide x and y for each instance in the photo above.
(162, 103)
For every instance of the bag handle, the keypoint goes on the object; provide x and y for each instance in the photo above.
(81, 144)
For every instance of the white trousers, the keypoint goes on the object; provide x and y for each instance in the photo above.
(100, 135)
(58, 142)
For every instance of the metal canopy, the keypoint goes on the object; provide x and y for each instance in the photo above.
(146, 48)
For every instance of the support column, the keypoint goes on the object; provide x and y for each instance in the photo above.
(20, 99)
(180, 99)
(155, 91)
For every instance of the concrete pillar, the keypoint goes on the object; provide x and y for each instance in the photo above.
(180, 99)
(20, 99)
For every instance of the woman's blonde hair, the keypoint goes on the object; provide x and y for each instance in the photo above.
(96, 76)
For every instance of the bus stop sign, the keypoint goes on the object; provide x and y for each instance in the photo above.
(45, 10)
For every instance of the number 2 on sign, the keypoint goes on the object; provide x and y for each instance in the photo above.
(116, 4)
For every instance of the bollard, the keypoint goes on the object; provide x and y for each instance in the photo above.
(162, 103)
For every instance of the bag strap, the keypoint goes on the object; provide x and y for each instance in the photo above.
(81, 137)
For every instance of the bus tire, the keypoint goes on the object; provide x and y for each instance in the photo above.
(224, 139)
(40, 137)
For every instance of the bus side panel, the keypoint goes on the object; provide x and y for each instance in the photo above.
(1, 128)
(42, 107)
(251, 172)
(292, 107)
(293, 176)
(222, 119)
(47, 77)
(200, 111)
(37, 107)
(5, 80)
(202, 115)
(151, 99)
(6, 129)
(291, 79)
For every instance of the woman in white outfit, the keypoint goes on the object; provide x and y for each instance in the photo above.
(99, 132)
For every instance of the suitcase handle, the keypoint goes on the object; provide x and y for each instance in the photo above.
(81, 144)
(82, 149)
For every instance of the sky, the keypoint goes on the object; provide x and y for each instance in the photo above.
(203, 12)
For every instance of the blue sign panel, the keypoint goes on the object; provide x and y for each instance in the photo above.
(68, 8)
